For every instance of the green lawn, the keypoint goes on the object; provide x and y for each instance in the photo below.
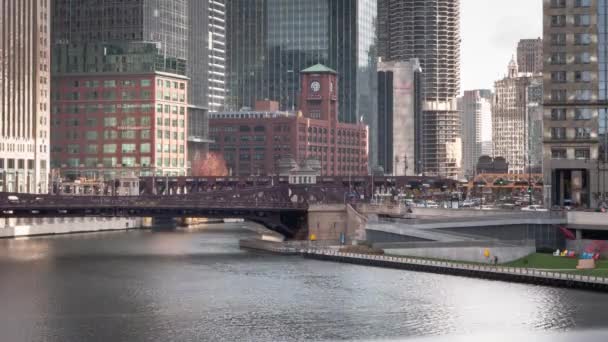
(562, 264)
(545, 262)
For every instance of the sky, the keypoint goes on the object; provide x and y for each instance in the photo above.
(490, 30)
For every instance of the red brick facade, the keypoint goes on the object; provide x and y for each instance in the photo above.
(119, 124)
(253, 142)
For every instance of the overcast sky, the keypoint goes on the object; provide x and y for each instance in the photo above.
(490, 32)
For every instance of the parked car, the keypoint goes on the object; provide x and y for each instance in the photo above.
(13, 199)
(534, 208)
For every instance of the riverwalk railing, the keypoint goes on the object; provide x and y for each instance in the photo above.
(528, 275)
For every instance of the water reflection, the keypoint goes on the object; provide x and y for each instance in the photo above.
(197, 285)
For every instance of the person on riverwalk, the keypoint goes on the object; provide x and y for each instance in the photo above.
(495, 260)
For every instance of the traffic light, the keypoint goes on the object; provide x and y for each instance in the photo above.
(529, 189)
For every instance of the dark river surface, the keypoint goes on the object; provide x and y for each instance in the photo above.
(196, 285)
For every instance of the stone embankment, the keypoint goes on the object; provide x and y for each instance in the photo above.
(502, 273)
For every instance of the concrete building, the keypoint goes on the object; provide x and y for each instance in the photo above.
(575, 101)
(177, 40)
(254, 142)
(475, 118)
(509, 118)
(24, 95)
(429, 30)
(270, 41)
(535, 124)
(400, 99)
(530, 56)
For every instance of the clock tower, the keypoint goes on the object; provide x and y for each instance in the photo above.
(319, 96)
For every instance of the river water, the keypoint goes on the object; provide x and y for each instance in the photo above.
(196, 285)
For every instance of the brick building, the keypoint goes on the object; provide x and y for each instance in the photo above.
(252, 142)
(117, 124)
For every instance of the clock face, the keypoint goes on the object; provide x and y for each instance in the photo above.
(315, 86)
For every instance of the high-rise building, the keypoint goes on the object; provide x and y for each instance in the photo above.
(270, 41)
(430, 31)
(510, 118)
(575, 101)
(530, 56)
(157, 53)
(475, 118)
(217, 54)
(535, 125)
(400, 117)
(24, 95)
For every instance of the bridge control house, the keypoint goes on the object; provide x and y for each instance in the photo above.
(252, 142)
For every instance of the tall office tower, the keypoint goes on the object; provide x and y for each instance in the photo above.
(217, 54)
(530, 56)
(475, 109)
(535, 125)
(400, 117)
(509, 118)
(122, 58)
(270, 41)
(575, 101)
(430, 31)
(24, 95)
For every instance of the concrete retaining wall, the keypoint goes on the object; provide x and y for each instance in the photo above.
(468, 254)
(67, 225)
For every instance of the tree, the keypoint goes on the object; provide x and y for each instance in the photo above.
(213, 165)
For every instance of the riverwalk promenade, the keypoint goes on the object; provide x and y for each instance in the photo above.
(492, 272)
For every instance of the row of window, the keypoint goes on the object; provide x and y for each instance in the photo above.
(560, 114)
(575, 3)
(560, 58)
(562, 153)
(560, 39)
(20, 164)
(170, 122)
(581, 95)
(577, 20)
(129, 121)
(559, 133)
(160, 134)
(111, 83)
(126, 161)
(107, 95)
(106, 148)
(106, 108)
(108, 134)
(576, 76)
(170, 109)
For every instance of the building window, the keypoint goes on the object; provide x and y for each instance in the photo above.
(558, 20)
(582, 133)
(91, 135)
(582, 3)
(582, 153)
(558, 133)
(145, 83)
(582, 76)
(109, 148)
(582, 58)
(582, 38)
(128, 161)
(558, 39)
(583, 113)
(558, 58)
(109, 83)
(558, 114)
(583, 95)
(128, 148)
(91, 149)
(558, 3)
(582, 20)
(558, 77)
(558, 95)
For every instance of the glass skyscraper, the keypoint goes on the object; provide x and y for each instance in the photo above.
(270, 41)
